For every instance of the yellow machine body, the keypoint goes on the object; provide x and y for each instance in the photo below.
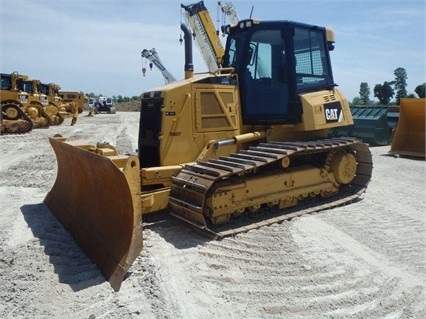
(210, 114)
(20, 108)
(52, 103)
(217, 145)
(77, 98)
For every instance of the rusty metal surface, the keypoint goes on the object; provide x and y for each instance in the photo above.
(95, 202)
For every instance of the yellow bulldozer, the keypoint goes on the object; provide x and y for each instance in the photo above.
(36, 102)
(249, 137)
(73, 104)
(28, 103)
(25, 100)
(63, 104)
(13, 102)
(53, 106)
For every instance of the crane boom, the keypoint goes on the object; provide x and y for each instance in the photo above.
(153, 56)
(208, 41)
(206, 36)
(229, 10)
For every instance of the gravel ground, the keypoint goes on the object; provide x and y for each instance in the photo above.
(364, 260)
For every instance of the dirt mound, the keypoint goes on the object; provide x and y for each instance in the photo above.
(131, 106)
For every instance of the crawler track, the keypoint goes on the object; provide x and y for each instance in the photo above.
(194, 187)
(16, 121)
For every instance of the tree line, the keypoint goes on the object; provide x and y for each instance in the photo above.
(116, 98)
(383, 92)
(386, 91)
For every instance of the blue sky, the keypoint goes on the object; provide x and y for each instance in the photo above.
(95, 45)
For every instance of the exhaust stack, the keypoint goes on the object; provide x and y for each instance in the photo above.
(189, 66)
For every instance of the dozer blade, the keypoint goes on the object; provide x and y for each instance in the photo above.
(409, 138)
(98, 202)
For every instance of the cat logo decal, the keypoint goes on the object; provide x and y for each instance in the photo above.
(333, 112)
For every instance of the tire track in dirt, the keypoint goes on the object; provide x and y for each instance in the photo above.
(268, 264)
(263, 265)
(364, 260)
(399, 236)
(385, 278)
(36, 250)
(161, 270)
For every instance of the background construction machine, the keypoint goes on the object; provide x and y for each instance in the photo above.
(53, 106)
(27, 103)
(409, 136)
(207, 39)
(154, 59)
(104, 104)
(21, 102)
(73, 104)
(372, 124)
(378, 124)
(37, 102)
(13, 117)
(205, 34)
(250, 136)
(78, 98)
(229, 11)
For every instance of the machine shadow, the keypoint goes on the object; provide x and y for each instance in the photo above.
(70, 263)
(173, 231)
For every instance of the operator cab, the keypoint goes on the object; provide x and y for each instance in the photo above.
(276, 62)
(25, 86)
(6, 81)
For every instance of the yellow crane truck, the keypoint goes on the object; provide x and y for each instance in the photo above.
(248, 137)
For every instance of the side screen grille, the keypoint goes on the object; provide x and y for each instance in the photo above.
(149, 131)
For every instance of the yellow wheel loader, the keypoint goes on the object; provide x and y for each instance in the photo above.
(249, 137)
